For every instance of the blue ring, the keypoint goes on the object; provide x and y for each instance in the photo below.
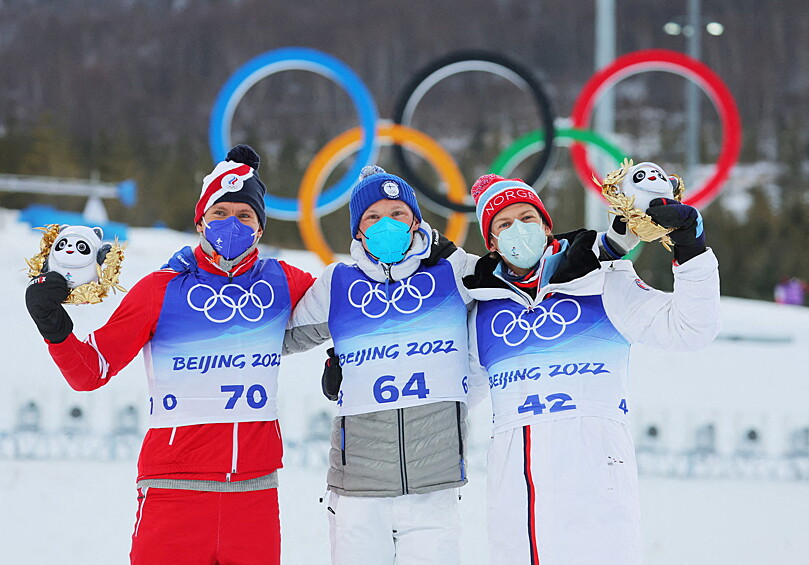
(304, 59)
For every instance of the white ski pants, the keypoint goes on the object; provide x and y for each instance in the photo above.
(412, 529)
(564, 492)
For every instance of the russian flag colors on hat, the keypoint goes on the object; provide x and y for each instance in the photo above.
(234, 180)
(492, 193)
(375, 185)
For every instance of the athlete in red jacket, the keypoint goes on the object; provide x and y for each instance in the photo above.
(211, 325)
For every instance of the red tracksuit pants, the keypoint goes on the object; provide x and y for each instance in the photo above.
(185, 527)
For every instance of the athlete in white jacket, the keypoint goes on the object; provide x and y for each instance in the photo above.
(553, 328)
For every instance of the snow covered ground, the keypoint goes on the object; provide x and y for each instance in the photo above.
(712, 492)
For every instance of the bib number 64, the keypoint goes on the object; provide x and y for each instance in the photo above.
(385, 391)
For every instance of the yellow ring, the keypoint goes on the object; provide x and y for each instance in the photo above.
(348, 142)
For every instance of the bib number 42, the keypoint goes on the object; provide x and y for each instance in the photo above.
(385, 391)
(559, 402)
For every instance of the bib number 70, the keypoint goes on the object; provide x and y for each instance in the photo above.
(385, 391)
(256, 396)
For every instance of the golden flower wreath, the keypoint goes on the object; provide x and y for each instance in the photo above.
(636, 219)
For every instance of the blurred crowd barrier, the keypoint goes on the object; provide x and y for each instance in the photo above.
(731, 446)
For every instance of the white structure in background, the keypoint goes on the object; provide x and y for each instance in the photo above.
(94, 210)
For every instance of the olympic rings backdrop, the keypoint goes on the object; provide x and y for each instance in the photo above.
(454, 64)
(315, 199)
(674, 62)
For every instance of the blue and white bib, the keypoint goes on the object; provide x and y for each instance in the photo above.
(216, 350)
(400, 343)
(559, 359)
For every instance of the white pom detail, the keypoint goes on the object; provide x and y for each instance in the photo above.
(369, 170)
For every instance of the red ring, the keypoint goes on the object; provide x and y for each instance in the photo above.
(677, 63)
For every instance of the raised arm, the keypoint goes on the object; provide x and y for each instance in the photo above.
(89, 364)
(688, 318)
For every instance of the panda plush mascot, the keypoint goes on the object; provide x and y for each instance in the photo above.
(77, 254)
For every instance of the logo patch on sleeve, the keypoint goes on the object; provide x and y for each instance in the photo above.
(642, 284)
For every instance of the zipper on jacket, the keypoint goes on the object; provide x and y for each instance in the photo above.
(522, 296)
(235, 456)
(343, 439)
(402, 460)
(460, 439)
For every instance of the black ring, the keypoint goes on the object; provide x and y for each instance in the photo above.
(540, 97)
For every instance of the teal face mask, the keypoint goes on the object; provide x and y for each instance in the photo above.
(388, 240)
(522, 244)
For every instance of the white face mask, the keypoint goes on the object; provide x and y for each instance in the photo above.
(522, 244)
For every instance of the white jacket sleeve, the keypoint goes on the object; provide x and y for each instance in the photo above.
(685, 319)
(308, 326)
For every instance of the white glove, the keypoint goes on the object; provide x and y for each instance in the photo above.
(617, 241)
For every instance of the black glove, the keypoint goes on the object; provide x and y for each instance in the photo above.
(688, 236)
(332, 376)
(43, 298)
(440, 248)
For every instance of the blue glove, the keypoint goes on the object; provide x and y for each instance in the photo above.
(182, 261)
(688, 236)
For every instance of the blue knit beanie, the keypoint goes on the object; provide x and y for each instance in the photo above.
(375, 185)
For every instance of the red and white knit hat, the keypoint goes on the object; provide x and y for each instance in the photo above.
(492, 193)
(234, 180)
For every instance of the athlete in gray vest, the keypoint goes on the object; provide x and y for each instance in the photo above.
(398, 319)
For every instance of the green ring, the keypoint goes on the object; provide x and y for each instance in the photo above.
(532, 142)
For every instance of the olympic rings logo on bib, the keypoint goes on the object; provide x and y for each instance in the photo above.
(406, 298)
(250, 304)
(519, 324)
